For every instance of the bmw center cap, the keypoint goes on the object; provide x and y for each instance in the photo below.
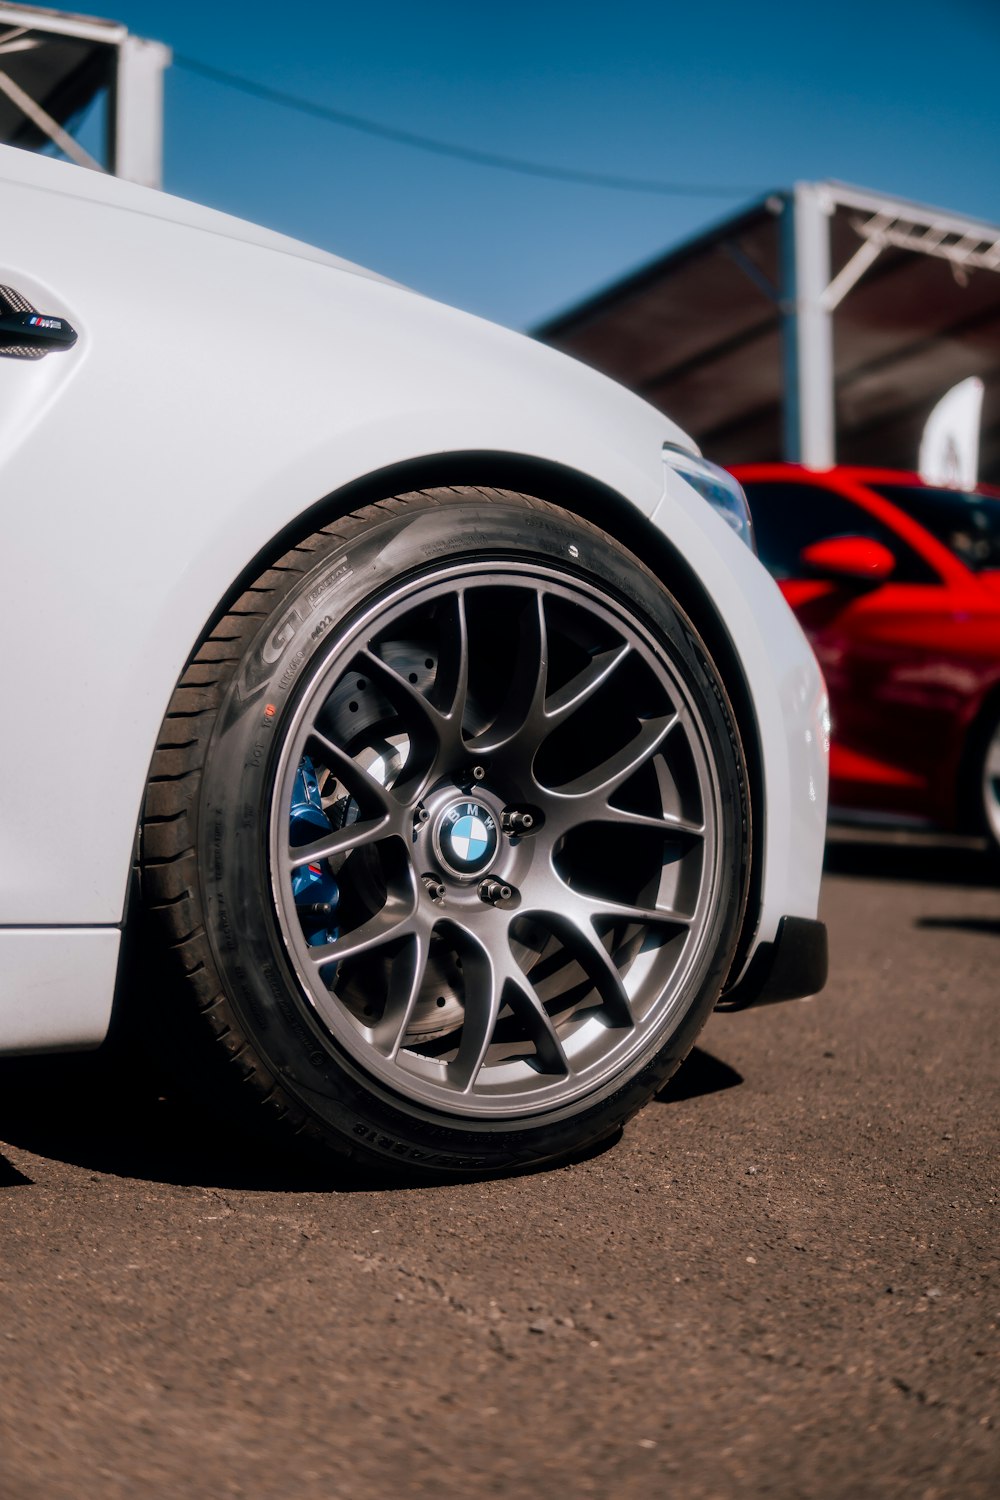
(467, 837)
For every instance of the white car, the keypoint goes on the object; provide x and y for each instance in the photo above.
(408, 694)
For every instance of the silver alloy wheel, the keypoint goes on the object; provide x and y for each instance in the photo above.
(991, 784)
(524, 826)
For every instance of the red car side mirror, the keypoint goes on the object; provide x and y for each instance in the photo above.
(859, 559)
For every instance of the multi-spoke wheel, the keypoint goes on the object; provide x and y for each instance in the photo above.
(469, 837)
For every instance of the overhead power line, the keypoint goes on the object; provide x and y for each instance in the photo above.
(451, 148)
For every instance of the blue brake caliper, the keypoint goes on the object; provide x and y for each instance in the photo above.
(316, 893)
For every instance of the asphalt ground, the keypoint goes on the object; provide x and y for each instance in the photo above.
(781, 1280)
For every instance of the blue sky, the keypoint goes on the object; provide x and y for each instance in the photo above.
(900, 97)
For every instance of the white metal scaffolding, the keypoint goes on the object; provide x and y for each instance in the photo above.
(809, 297)
(53, 64)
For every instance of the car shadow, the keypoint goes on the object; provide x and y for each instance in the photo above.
(108, 1113)
(699, 1074)
(910, 857)
(962, 924)
(10, 1176)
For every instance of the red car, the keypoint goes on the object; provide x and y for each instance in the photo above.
(897, 585)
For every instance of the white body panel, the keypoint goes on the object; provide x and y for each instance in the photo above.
(56, 986)
(226, 380)
(790, 703)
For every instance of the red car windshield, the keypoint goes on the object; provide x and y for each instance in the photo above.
(967, 523)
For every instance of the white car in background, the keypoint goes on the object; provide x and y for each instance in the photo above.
(408, 693)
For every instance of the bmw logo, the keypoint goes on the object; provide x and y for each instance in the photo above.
(467, 837)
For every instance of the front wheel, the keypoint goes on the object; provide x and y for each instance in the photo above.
(455, 864)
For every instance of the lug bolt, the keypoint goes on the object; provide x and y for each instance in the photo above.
(420, 814)
(495, 891)
(479, 773)
(435, 887)
(514, 821)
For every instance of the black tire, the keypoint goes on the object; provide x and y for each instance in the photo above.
(206, 870)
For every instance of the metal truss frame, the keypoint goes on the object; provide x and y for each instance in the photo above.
(809, 296)
(135, 83)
